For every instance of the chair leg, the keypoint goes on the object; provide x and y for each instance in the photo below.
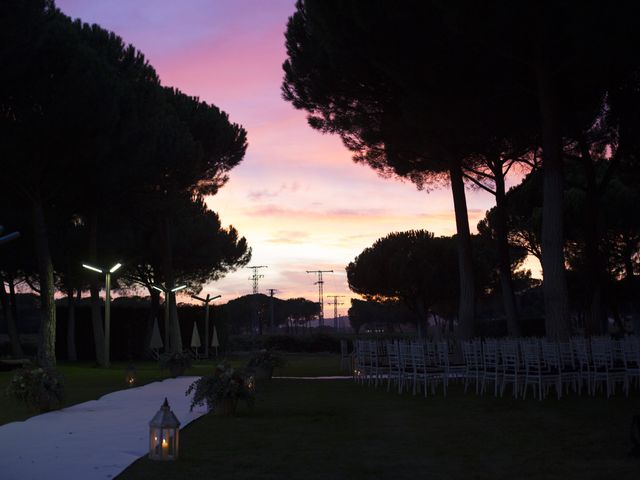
(540, 389)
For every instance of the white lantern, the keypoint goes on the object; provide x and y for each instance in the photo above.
(164, 430)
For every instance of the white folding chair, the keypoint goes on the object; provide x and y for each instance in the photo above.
(510, 368)
(631, 356)
(536, 373)
(490, 365)
(604, 370)
(419, 365)
(472, 356)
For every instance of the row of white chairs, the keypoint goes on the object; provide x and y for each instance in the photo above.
(522, 364)
(416, 365)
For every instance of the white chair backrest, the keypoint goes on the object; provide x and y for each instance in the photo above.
(581, 352)
(566, 355)
(531, 355)
(418, 355)
(442, 353)
(631, 351)
(509, 355)
(404, 351)
(490, 354)
(601, 352)
(551, 354)
(430, 354)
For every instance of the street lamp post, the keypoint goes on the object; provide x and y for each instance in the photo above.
(167, 312)
(107, 306)
(206, 319)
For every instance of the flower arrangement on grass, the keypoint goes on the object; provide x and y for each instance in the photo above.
(263, 362)
(222, 390)
(176, 362)
(39, 388)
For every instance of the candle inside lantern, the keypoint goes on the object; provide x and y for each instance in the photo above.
(165, 448)
(130, 377)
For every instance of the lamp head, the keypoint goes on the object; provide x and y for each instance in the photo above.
(89, 267)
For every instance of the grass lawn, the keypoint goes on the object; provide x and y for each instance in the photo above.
(310, 365)
(339, 430)
(84, 381)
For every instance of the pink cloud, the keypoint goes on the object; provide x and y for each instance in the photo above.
(297, 196)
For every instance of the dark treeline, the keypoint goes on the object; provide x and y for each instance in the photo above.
(247, 316)
(463, 93)
(101, 164)
(261, 314)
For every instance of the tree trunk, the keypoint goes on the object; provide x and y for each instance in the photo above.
(595, 319)
(423, 318)
(466, 307)
(47, 333)
(174, 337)
(504, 260)
(96, 310)
(12, 295)
(71, 326)
(556, 297)
(12, 328)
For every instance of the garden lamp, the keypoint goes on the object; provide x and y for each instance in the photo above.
(206, 319)
(107, 305)
(167, 311)
(164, 430)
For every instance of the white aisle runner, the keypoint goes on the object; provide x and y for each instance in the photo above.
(91, 440)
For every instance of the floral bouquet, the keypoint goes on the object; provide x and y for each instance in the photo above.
(222, 390)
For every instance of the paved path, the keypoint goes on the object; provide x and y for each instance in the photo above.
(91, 440)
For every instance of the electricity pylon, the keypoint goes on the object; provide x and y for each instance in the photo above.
(335, 304)
(255, 277)
(271, 292)
(320, 282)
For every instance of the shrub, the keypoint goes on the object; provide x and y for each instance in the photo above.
(37, 387)
(266, 359)
(181, 360)
(287, 343)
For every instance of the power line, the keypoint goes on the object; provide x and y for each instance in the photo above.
(335, 304)
(255, 277)
(320, 282)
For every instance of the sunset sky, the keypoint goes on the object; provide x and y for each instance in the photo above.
(297, 197)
